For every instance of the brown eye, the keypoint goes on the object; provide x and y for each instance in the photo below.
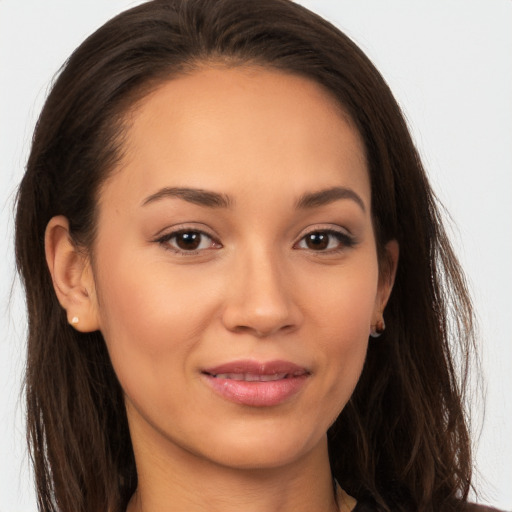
(188, 241)
(325, 241)
(317, 241)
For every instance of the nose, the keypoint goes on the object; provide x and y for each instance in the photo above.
(260, 300)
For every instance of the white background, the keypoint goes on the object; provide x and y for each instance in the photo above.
(449, 63)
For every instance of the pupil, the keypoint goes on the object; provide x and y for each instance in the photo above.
(188, 241)
(317, 241)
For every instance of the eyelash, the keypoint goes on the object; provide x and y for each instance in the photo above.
(165, 240)
(344, 240)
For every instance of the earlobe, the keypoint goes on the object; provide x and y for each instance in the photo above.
(72, 276)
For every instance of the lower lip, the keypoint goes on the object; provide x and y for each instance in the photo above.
(256, 393)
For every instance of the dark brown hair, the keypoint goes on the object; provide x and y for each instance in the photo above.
(402, 440)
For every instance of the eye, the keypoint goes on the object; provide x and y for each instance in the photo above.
(188, 241)
(325, 241)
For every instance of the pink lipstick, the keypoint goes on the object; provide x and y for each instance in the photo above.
(255, 383)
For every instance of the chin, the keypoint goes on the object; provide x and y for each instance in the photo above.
(263, 447)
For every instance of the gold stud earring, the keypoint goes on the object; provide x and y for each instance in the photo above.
(377, 329)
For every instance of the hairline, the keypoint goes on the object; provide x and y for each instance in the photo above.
(128, 106)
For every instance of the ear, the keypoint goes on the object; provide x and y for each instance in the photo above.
(72, 276)
(387, 275)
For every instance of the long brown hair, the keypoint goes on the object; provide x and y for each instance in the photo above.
(402, 441)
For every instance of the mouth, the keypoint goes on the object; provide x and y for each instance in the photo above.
(256, 384)
(256, 377)
(250, 377)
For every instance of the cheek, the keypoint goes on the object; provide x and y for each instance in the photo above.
(151, 320)
(341, 313)
(343, 302)
(141, 302)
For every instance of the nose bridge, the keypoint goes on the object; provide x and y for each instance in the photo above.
(260, 300)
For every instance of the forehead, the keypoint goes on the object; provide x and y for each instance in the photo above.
(220, 127)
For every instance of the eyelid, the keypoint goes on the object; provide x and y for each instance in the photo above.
(333, 228)
(346, 238)
(184, 226)
(166, 234)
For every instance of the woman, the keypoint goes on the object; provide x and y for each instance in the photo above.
(228, 212)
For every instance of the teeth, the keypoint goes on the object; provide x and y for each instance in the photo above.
(276, 376)
(231, 376)
(251, 377)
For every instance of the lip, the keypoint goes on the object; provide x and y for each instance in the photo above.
(256, 384)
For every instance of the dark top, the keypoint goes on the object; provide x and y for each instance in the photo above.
(470, 507)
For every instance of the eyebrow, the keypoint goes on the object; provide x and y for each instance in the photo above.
(215, 200)
(328, 195)
(192, 195)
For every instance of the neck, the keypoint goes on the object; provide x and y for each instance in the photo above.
(175, 480)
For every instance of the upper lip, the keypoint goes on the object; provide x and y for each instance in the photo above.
(252, 367)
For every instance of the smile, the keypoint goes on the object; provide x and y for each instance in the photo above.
(252, 377)
(249, 377)
(256, 384)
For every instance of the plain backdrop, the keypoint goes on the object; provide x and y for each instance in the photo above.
(449, 63)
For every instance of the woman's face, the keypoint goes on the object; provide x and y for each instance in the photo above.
(235, 267)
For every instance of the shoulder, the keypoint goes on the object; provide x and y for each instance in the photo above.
(468, 507)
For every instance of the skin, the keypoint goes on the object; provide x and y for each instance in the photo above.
(255, 288)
